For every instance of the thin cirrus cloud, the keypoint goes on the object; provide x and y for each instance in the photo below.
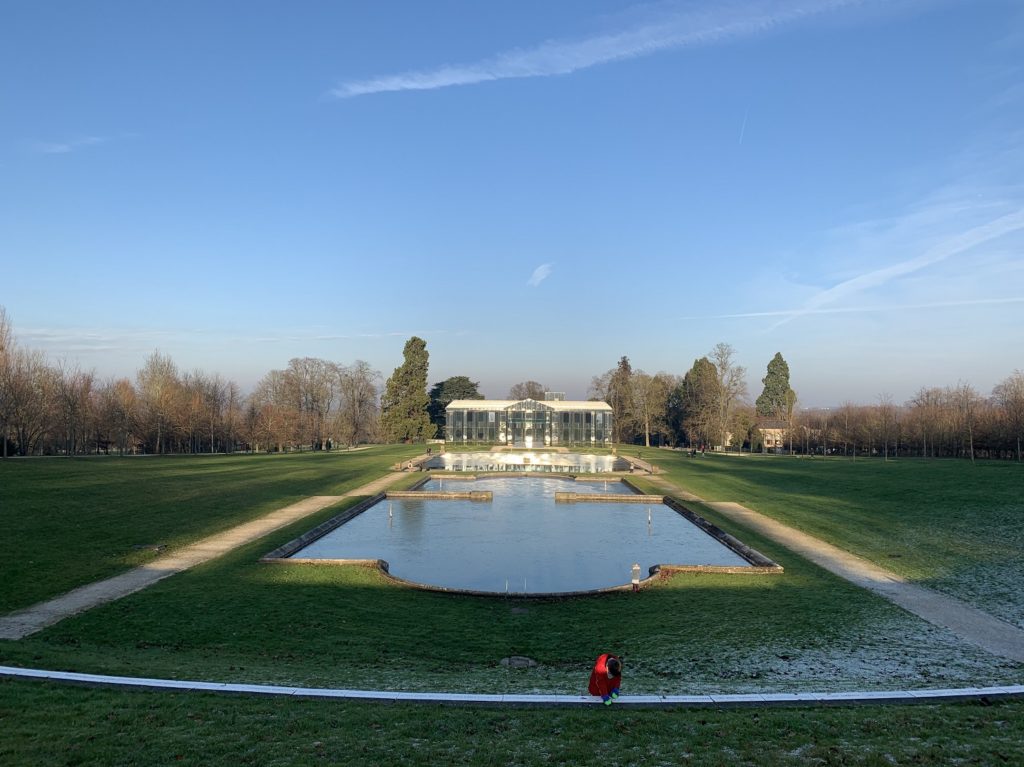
(790, 313)
(540, 274)
(723, 23)
(65, 147)
(944, 250)
(78, 143)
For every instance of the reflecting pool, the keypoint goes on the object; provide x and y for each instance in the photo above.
(569, 463)
(522, 541)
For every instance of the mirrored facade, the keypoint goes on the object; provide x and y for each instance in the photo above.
(529, 423)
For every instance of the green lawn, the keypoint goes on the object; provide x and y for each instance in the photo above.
(947, 524)
(70, 521)
(235, 619)
(50, 724)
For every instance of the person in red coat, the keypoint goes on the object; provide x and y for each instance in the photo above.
(606, 678)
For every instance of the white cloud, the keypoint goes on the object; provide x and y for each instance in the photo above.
(540, 274)
(64, 147)
(942, 250)
(722, 23)
(790, 313)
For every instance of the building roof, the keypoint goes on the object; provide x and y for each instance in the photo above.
(505, 404)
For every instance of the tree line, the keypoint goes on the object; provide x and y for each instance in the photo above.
(708, 407)
(61, 409)
(316, 404)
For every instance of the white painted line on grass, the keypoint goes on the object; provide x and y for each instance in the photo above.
(518, 699)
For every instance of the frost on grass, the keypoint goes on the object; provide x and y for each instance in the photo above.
(897, 652)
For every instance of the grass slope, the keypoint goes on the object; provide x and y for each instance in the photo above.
(70, 521)
(236, 619)
(950, 525)
(101, 726)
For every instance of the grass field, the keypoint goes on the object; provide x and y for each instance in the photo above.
(70, 521)
(949, 525)
(234, 619)
(99, 726)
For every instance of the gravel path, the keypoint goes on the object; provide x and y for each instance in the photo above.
(967, 622)
(29, 620)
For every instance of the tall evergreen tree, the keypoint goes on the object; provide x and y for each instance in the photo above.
(442, 394)
(778, 399)
(404, 416)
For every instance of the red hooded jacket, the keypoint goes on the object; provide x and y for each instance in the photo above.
(600, 684)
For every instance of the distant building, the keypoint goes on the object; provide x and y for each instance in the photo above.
(773, 434)
(529, 423)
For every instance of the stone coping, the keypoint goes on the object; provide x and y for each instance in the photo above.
(441, 495)
(281, 553)
(759, 564)
(714, 700)
(607, 498)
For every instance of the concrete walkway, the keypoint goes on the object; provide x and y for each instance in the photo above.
(29, 620)
(969, 623)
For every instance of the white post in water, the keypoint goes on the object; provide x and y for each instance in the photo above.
(636, 576)
(648, 516)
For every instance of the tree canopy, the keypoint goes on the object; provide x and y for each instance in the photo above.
(527, 390)
(777, 400)
(699, 398)
(404, 416)
(443, 393)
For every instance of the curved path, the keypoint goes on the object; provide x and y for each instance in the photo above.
(967, 622)
(470, 699)
(29, 620)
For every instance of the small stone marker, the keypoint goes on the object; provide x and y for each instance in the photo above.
(518, 661)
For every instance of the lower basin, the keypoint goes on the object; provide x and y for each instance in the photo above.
(522, 541)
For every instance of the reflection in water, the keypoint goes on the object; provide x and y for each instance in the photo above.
(521, 541)
(576, 463)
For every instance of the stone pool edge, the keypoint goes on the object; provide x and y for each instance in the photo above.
(759, 563)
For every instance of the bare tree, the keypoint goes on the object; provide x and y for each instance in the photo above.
(73, 401)
(1009, 395)
(158, 388)
(215, 392)
(6, 351)
(967, 404)
(732, 387)
(274, 417)
(527, 390)
(358, 413)
(119, 410)
(885, 422)
(232, 415)
(649, 398)
(30, 392)
(315, 382)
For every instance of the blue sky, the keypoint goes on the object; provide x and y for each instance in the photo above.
(535, 188)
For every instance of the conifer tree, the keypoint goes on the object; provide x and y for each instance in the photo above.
(404, 416)
(778, 399)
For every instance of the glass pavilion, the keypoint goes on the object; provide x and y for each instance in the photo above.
(529, 423)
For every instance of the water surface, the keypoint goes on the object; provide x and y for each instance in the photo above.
(522, 541)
